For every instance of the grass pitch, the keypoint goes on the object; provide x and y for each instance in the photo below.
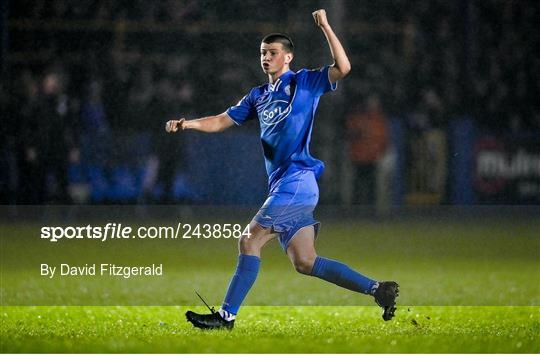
(272, 329)
(464, 287)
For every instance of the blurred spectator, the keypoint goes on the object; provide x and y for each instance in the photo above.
(31, 155)
(141, 94)
(8, 159)
(367, 133)
(162, 166)
(95, 131)
(51, 125)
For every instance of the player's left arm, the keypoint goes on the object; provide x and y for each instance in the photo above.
(341, 66)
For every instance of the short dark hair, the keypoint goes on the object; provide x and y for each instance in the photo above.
(285, 40)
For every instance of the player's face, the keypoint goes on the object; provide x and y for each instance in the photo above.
(274, 57)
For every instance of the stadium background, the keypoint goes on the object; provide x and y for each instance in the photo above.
(87, 87)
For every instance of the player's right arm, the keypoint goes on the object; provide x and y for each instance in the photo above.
(236, 114)
(210, 124)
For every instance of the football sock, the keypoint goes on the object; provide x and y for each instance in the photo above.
(228, 316)
(342, 275)
(374, 288)
(244, 277)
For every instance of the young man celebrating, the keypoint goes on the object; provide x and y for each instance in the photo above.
(285, 108)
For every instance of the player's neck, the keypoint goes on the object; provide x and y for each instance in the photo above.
(273, 77)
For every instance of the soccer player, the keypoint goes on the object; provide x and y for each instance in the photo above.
(285, 108)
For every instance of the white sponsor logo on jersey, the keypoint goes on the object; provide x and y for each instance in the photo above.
(275, 111)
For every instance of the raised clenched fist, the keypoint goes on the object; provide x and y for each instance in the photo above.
(320, 18)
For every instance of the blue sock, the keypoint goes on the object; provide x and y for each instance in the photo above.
(244, 277)
(342, 275)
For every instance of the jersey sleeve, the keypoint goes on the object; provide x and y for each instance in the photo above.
(318, 80)
(244, 110)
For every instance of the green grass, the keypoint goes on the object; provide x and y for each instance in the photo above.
(471, 286)
(271, 329)
(456, 261)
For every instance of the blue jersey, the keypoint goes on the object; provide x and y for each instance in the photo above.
(286, 110)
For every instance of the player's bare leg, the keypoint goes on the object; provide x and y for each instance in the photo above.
(250, 245)
(302, 253)
(301, 250)
(253, 243)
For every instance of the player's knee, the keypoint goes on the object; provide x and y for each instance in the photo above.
(304, 264)
(248, 244)
(253, 242)
(244, 244)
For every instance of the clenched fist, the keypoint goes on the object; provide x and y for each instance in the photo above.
(320, 18)
(174, 125)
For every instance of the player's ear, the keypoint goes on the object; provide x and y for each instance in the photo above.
(289, 57)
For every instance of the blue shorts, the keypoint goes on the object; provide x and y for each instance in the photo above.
(290, 205)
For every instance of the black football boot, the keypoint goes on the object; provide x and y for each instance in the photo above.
(208, 321)
(385, 296)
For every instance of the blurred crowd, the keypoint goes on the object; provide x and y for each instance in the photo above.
(87, 91)
(165, 11)
(454, 58)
